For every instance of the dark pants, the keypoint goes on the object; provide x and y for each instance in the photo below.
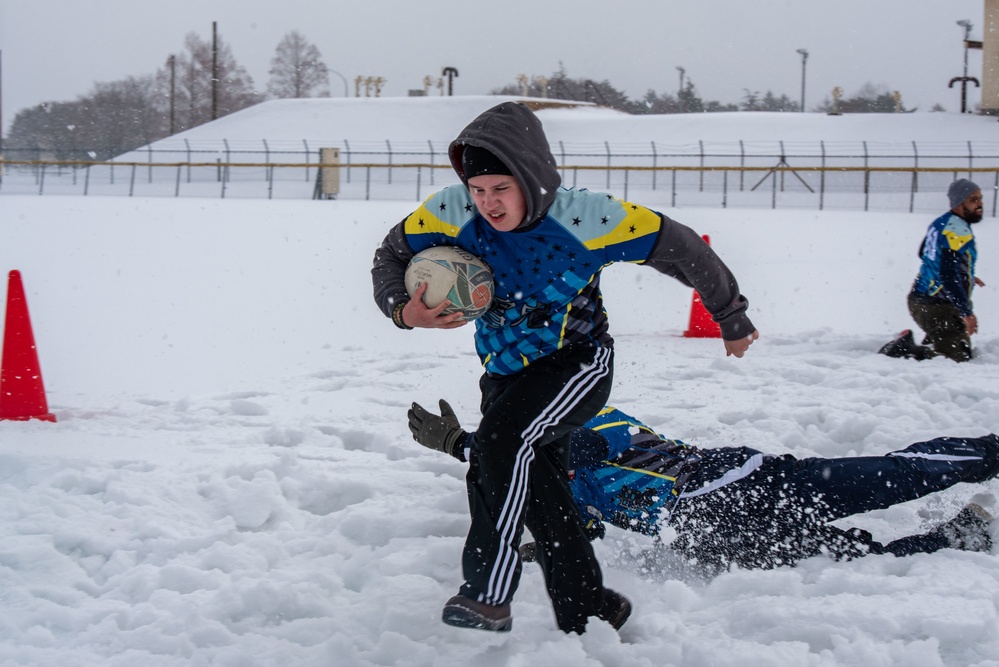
(517, 475)
(780, 513)
(944, 327)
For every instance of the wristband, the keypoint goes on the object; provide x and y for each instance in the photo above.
(397, 315)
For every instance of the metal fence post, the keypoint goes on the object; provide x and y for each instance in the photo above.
(150, 163)
(431, 145)
(655, 164)
(389, 146)
(367, 184)
(607, 147)
(561, 147)
(725, 189)
(86, 180)
(867, 179)
(131, 181)
(822, 176)
(306, 144)
(773, 192)
(346, 146)
(187, 146)
(915, 164)
(267, 156)
(742, 163)
(700, 143)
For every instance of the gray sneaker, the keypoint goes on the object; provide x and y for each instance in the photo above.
(969, 530)
(463, 612)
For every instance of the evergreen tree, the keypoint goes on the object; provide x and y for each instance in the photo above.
(689, 101)
(752, 101)
(869, 99)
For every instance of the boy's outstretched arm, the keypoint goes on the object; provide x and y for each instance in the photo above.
(443, 433)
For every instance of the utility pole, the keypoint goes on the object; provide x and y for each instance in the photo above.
(681, 70)
(215, 71)
(804, 57)
(172, 61)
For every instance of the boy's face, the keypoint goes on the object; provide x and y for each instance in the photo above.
(499, 200)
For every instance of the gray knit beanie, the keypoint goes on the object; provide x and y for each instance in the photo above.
(960, 190)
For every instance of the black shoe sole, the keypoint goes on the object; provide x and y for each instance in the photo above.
(462, 617)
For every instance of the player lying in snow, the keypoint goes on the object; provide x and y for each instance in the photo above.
(735, 505)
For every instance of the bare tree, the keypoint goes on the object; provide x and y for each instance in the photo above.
(297, 69)
(192, 87)
(112, 119)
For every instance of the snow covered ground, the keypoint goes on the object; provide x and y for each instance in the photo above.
(231, 480)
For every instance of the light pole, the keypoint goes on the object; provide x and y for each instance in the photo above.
(681, 70)
(966, 24)
(804, 58)
(333, 71)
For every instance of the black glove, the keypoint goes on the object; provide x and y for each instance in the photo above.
(442, 433)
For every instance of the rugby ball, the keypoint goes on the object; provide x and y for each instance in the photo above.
(455, 274)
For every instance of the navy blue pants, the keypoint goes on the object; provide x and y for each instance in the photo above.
(517, 475)
(780, 513)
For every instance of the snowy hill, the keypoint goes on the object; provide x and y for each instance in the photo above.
(408, 122)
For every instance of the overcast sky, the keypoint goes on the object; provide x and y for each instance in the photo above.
(55, 50)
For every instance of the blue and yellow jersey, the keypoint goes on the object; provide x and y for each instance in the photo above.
(636, 479)
(948, 257)
(546, 275)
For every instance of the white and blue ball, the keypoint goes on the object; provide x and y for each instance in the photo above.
(455, 274)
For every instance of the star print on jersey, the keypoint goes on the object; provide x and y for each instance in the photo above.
(546, 274)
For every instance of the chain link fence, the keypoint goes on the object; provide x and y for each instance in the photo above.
(816, 175)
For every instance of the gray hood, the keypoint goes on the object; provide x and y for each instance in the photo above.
(512, 132)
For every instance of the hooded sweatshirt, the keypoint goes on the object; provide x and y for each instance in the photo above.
(547, 270)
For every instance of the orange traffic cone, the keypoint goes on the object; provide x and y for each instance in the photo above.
(22, 395)
(701, 325)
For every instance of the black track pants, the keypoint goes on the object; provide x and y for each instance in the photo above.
(517, 474)
(944, 328)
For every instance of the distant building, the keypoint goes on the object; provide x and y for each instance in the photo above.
(990, 59)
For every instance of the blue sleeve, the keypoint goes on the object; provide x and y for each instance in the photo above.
(952, 279)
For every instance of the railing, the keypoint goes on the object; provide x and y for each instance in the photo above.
(864, 187)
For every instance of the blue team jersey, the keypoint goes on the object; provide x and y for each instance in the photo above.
(635, 482)
(948, 259)
(546, 275)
